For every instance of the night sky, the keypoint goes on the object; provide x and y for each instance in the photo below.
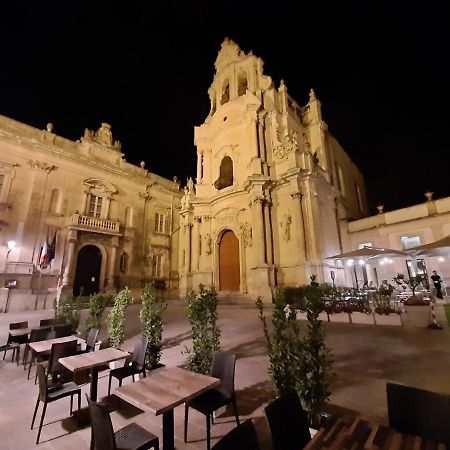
(379, 69)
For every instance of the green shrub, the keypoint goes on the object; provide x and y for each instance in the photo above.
(150, 316)
(202, 315)
(67, 311)
(116, 318)
(97, 305)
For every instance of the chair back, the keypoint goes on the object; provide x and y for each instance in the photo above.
(63, 330)
(92, 339)
(140, 349)
(223, 367)
(45, 322)
(42, 379)
(102, 429)
(288, 423)
(39, 334)
(418, 411)
(18, 325)
(241, 437)
(60, 350)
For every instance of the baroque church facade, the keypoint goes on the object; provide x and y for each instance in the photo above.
(273, 193)
(274, 188)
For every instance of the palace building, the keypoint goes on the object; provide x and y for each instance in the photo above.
(273, 194)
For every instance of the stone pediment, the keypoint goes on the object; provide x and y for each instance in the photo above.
(103, 137)
(230, 52)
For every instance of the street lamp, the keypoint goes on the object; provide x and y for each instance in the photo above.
(11, 246)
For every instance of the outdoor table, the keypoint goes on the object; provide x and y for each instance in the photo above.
(45, 346)
(162, 391)
(357, 433)
(26, 331)
(93, 361)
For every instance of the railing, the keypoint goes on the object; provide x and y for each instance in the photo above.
(95, 222)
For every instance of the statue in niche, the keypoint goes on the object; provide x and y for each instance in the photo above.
(104, 135)
(190, 186)
(246, 234)
(286, 226)
(225, 174)
(208, 244)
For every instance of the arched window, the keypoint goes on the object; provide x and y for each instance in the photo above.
(123, 262)
(54, 204)
(226, 174)
(242, 83)
(225, 93)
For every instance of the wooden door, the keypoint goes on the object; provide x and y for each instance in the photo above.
(229, 278)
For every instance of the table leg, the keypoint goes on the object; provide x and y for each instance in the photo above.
(168, 431)
(94, 383)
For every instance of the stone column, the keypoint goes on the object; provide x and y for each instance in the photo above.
(258, 240)
(196, 243)
(181, 248)
(299, 227)
(112, 263)
(72, 238)
(188, 248)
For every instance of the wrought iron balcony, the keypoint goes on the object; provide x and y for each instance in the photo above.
(95, 224)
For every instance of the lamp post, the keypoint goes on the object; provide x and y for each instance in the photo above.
(11, 246)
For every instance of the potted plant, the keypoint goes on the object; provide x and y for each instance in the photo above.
(202, 315)
(97, 305)
(417, 308)
(116, 321)
(150, 317)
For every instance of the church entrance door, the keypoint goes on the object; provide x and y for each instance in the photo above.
(229, 278)
(87, 275)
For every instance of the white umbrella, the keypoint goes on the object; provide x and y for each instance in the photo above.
(368, 253)
(440, 247)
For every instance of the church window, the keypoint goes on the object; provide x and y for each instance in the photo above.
(225, 174)
(157, 266)
(94, 205)
(225, 93)
(242, 83)
(160, 223)
(123, 262)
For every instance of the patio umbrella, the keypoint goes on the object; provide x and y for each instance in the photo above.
(368, 253)
(440, 247)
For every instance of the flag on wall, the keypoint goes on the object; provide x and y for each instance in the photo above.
(47, 253)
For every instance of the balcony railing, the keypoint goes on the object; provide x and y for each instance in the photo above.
(104, 225)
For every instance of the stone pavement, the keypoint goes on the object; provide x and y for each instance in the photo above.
(366, 356)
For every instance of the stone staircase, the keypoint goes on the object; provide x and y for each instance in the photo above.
(235, 298)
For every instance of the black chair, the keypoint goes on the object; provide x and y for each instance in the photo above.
(418, 411)
(46, 322)
(13, 342)
(242, 436)
(62, 330)
(36, 335)
(288, 423)
(42, 357)
(132, 436)
(223, 367)
(50, 394)
(136, 366)
(55, 369)
(91, 339)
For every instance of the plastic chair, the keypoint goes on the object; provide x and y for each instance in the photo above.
(136, 366)
(50, 394)
(45, 322)
(223, 367)
(241, 437)
(91, 339)
(36, 335)
(13, 342)
(419, 412)
(62, 330)
(132, 436)
(288, 423)
(60, 350)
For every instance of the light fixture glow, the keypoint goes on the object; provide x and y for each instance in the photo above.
(350, 262)
(361, 262)
(441, 259)
(11, 245)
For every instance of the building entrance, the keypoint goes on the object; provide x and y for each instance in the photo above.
(229, 278)
(87, 275)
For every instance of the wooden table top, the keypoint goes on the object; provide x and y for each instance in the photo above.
(45, 346)
(92, 359)
(165, 388)
(356, 433)
(24, 331)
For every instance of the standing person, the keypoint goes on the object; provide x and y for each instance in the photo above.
(437, 281)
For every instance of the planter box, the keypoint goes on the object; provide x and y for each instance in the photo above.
(359, 317)
(96, 346)
(417, 315)
(388, 319)
(117, 364)
(339, 317)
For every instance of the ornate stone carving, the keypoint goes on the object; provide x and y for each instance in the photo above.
(198, 219)
(103, 136)
(288, 145)
(230, 52)
(246, 230)
(41, 165)
(306, 143)
(257, 199)
(297, 195)
(312, 95)
(208, 244)
(285, 225)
